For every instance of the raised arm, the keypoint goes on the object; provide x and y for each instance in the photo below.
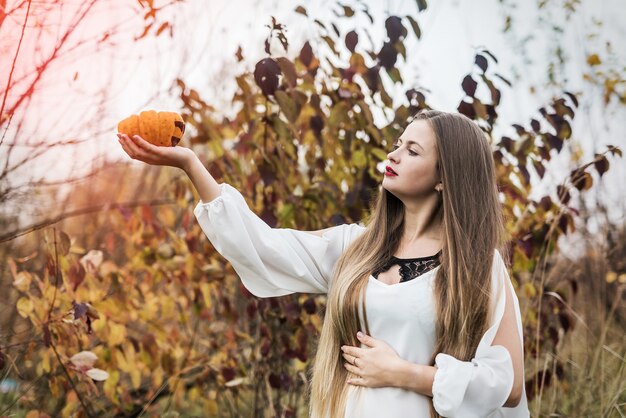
(269, 261)
(202, 180)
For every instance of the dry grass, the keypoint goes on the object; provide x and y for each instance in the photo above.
(592, 381)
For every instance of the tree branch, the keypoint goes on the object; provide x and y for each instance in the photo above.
(6, 93)
(79, 212)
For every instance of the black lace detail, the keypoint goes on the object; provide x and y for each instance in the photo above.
(411, 268)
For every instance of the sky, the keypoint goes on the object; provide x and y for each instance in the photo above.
(139, 75)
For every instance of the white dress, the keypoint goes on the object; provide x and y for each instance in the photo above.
(280, 261)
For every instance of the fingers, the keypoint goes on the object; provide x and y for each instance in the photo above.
(143, 144)
(351, 368)
(350, 359)
(366, 339)
(353, 351)
(138, 148)
(356, 381)
(124, 143)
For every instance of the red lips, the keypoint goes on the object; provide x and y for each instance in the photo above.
(390, 170)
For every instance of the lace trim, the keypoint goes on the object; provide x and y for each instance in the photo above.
(411, 268)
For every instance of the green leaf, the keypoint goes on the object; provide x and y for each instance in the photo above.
(348, 11)
(359, 159)
(380, 153)
(387, 101)
(338, 114)
(281, 128)
(394, 74)
(288, 106)
(287, 213)
(401, 49)
(289, 70)
(415, 26)
(330, 43)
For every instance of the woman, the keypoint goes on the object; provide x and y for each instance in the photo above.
(424, 279)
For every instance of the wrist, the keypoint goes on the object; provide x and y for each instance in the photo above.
(415, 377)
(188, 161)
(406, 374)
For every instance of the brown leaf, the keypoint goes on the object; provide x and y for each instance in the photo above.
(481, 62)
(469, 85)
(266, 74)
(395, 28)
(352, 38)
(306, 54)
(388, 55)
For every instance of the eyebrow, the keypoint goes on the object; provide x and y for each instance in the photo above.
(412, 142)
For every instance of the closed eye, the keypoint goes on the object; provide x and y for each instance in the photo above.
(410, 151)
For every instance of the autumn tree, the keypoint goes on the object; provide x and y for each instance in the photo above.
(144, 302)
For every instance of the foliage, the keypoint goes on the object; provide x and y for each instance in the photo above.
(166, 317)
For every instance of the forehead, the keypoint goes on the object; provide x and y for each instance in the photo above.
(420, 132)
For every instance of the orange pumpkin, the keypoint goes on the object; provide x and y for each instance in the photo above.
(164, 129)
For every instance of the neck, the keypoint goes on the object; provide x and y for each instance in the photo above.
(422, 219)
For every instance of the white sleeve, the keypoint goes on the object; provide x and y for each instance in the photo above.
(271, 261)
(480, 387)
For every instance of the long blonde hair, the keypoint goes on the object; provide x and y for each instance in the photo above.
(472, 227)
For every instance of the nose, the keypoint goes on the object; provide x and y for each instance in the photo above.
(391, 156)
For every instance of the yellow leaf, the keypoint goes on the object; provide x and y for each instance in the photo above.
(316, 321)
(194, 394)
(117, 333)
(135, 378)
(45, 362)
(110, 386)
(71, 404)
(75, 249)
(299, 365)
(157, 376)
(359, 159)
(178, 352)
(611, 276)
(211, 407)
(622, 278)
(22, 281)
(122, 364)
(167, 307)
(168, 216)
(529, 290)
(24, 307)
(593, 59)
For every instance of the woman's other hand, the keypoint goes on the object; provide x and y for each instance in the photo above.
(375, 365)
(140, 149)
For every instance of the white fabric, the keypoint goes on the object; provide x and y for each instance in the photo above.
(280, 261)
(477, 388)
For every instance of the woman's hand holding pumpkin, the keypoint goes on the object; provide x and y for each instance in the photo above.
(140, 149)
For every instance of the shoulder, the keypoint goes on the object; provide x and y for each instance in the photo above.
(354, 230)
(500, 259)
